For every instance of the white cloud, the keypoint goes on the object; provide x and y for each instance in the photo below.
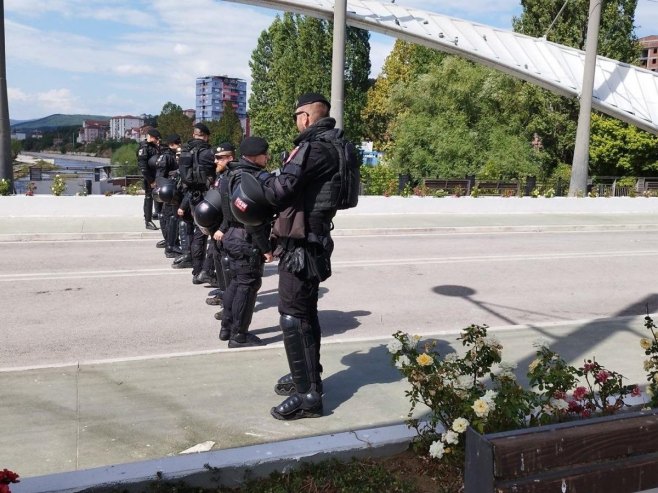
(58, 100)
(15, 94)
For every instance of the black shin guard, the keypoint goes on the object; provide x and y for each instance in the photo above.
(301, 351)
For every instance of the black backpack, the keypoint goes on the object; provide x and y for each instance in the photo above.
(190, 170)
(346, 183)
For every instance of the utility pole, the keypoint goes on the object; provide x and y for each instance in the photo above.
(338, 62)
(580, 167)
(6, 166)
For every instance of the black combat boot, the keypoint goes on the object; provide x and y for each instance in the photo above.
(300, 344)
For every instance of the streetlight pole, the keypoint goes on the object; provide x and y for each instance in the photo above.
(6, 165)
(580, 166)
(338, 62)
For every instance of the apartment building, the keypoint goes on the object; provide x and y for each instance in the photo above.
(215, 90)
(122, 126)
(649, 57)
(93, 130)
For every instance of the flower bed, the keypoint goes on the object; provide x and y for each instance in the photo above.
(477, 389)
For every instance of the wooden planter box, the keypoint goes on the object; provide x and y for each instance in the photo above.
(615, 454)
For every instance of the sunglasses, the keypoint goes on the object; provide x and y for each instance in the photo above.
(295, 115)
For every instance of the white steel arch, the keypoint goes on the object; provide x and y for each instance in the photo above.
(621, 90)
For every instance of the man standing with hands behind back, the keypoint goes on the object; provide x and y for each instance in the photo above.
(303, 190)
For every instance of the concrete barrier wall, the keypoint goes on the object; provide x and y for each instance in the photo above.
(131, 206)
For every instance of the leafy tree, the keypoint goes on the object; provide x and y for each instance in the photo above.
(445, 129)
(125, 158)
(619, 149)
(173, 120)
(227, 128)
(404, 64)
(279, 77)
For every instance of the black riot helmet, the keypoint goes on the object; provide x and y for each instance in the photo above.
(165, 191)
(248, 202)
(208, 213)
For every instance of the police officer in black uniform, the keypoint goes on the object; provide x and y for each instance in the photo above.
(304, 248)
(224, 154)
(147, 155)
(167, 169)
(248, 248)
(193, 240)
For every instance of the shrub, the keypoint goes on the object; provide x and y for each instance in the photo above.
(58, 186)
(134, 189)
(476, 389)
(379, 180)
(5, 187)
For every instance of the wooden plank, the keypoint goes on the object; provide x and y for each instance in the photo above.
(588, 441)
(624, 476)
(478, 463)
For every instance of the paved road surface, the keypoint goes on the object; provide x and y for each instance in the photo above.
(73, 301)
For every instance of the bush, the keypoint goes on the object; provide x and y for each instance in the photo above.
(59, 185)
(476, 389)
(379, 180)
(5, 187)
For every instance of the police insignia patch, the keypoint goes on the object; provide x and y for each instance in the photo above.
(240, 204)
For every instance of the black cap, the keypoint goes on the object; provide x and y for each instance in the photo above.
(311, 97)
(253, 146)
(201, 127)
(173, 139)
(154, 132)
(224, 148)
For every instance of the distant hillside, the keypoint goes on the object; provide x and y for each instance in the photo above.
(55, 121)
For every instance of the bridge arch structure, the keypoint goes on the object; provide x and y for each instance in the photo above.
(621, 90)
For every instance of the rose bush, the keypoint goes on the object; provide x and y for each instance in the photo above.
(475, 388)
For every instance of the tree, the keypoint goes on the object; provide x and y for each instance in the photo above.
(172, 120)
(279, 77)
(404, 64)
(621, 149)
(125, 158)
(227, 128)
(459, 119)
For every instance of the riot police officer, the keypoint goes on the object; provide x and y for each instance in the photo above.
(147, 155)
(304, 248)
(248, 248)
(193, 241)
(224, 154)
(167, 168)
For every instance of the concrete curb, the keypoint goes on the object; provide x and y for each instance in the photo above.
(131, 235)
(228, 467)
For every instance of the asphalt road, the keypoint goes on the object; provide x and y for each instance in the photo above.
(78, 301)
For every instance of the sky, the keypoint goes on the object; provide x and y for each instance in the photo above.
(130, 57)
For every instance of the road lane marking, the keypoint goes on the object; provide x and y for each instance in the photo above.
(107, 274)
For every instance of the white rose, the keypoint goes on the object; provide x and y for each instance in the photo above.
(437, 449)
(481, 408)
(460, 424)
(402, 361)
(451, 437)
(394, 346)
